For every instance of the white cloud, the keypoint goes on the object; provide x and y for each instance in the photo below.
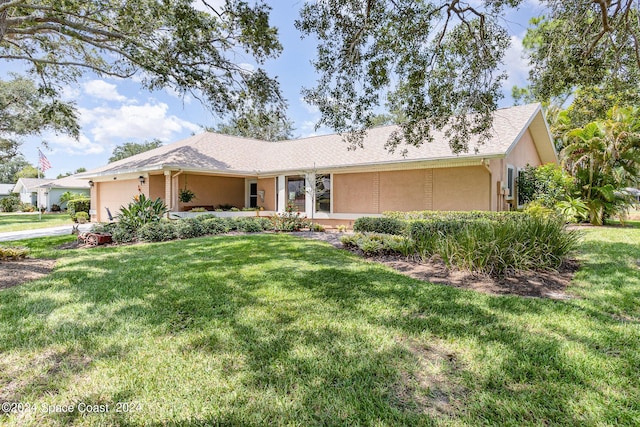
(186, 98)
(103, 90)
(133, 122)
(69, 93)
(516, 65)
(67, 144)
(311, 109)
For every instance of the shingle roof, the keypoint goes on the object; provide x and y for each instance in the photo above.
(6, 189)
(67, 182)
(31, 183)
(216, 152)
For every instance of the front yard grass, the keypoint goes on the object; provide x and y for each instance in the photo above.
(31, 221)
(272, 329)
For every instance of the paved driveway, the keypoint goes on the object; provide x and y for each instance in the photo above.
(41, 232)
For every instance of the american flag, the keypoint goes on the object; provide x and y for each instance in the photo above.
(43, 161)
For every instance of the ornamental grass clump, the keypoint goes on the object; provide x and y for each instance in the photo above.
(514, 242)
(13, 252)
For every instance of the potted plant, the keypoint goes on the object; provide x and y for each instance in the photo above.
(185, 195)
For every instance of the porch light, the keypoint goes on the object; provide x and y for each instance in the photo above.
(91, 183)
(141, 179)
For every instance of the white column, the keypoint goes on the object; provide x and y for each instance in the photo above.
(282, 193)
(310, 187)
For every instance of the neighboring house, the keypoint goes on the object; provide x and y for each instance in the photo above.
(6, 190)
(227, 170)
(50, 192)
(29, 191)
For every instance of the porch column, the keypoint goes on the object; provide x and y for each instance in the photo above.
(310, 191)
(282, 193)
(167, 189)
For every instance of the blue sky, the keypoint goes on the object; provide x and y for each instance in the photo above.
(114, 111)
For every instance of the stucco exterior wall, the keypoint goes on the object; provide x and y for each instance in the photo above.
(213, 190)
(461, 189)
(268, 185)
(355, 193)
(524, 152)
(410, 190)
(156, 187)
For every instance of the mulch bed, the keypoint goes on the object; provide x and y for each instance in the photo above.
(537, 284)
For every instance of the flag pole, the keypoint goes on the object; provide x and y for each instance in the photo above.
(38, 196)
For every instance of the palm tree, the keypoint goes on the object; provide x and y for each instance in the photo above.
(604, 158)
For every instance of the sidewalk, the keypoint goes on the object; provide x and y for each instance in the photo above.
(41, 232)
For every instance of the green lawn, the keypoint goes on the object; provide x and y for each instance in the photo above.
(30, 221)
(271, 329)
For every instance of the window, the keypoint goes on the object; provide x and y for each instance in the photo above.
(519, 181)
(511, 182)
(295, 192)
(323, 193)
(253, 195)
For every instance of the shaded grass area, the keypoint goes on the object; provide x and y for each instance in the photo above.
(270, 329)
(31, 221)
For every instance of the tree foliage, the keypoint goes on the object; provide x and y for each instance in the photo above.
(604, 158)
(9, 168)
(28, 171)
(269, 126)
(438, 63)
(26, 110)
(190, 46)
(582, 44)
(66, 174)
(129, 149)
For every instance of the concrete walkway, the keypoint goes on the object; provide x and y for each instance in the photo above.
(42, 232)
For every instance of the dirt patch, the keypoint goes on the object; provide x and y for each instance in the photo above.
(539, 284)
(17, 272)
(431, 384)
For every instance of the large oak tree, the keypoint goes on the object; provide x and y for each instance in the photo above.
(189, 46)
(439, 63)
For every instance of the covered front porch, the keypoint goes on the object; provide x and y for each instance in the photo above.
(189, 193)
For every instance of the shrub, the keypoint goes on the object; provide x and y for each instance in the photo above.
(78, 205)
(249, 225)
(198, 209)
(141, 211)
(215, 225)
(377, 243)
(123, 234)
(10, 203)
(383, 225)
(55, 208)
(158, 231)
(573, 210)
(317, 227)
(104, 227)
(82, 217)
(27, 207)
(13, 252)
(266, 223)
(342, 228)
(289, 220)
(188, 228)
